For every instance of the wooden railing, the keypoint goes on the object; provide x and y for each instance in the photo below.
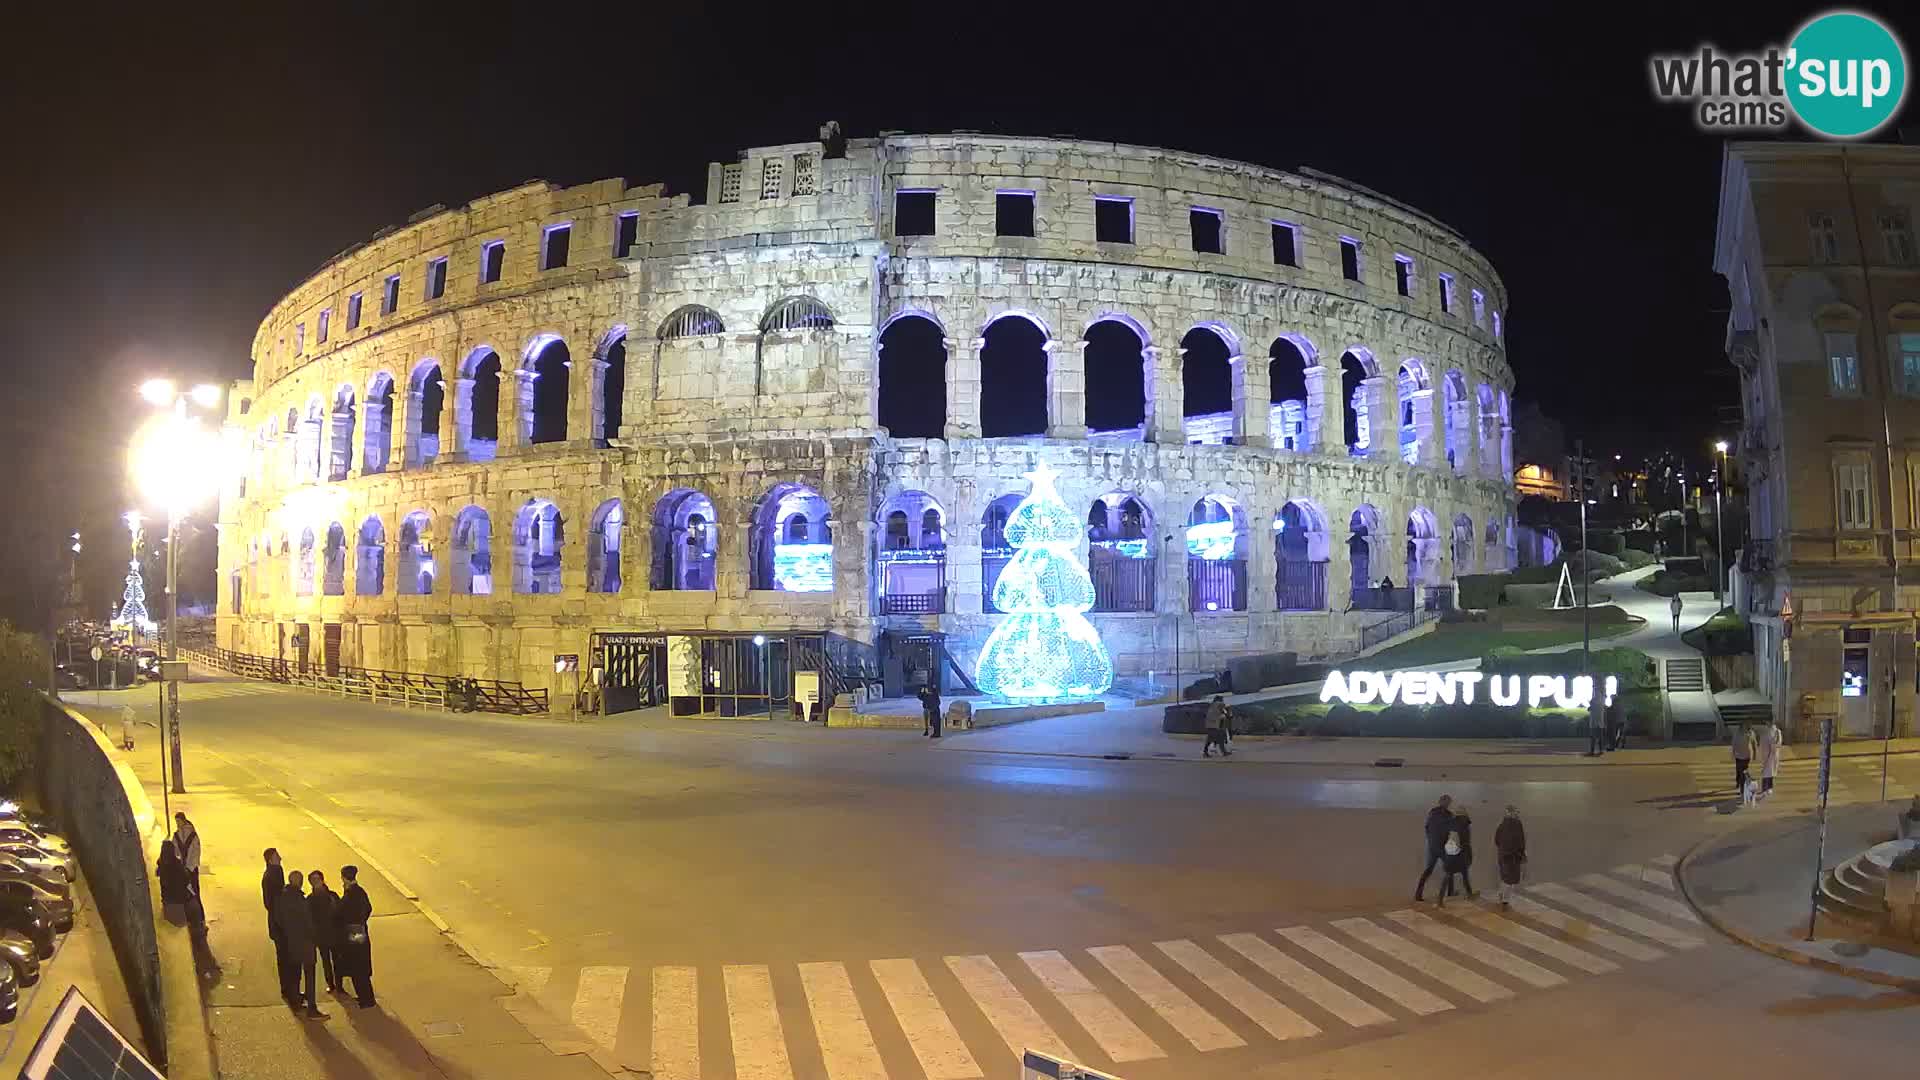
(408, 688)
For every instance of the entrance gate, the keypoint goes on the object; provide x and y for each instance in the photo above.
(636, 670)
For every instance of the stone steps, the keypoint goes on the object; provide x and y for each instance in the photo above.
(1855, 892)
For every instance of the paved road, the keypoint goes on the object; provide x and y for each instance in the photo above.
(768, 900)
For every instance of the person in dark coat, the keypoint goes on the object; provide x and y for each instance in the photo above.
(1439, 824)
(272, 882)
(1510, 852)
(353, 950)
(1457, 857)
(321, 902)
(173, 883)
(930, 704)
(1218, 722)
(296, 930)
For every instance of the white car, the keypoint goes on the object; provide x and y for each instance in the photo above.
(19, 832)
(39, 860)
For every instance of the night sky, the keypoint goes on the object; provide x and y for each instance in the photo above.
(169, 176)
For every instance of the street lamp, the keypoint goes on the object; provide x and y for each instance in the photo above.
(175, 462)
(766, 669)
(1719, 527)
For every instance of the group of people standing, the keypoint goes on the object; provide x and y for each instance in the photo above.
(179, 872)
(1763, 745)
(321, 928)
(1450, 847)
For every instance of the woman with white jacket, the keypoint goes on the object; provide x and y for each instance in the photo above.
(1768, 753)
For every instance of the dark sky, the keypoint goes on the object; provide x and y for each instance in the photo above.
(169, 175)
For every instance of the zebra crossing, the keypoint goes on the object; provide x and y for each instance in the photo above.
(969, 1017)
(1855, 778)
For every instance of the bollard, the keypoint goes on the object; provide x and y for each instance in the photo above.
(1902, 886)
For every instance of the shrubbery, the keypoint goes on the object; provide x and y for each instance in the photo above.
(1481, 590)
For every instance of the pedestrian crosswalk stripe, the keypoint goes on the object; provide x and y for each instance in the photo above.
(846, 1043)
(1647, 875)
(1584, 931)
(759, 1045)
(1618, 916)
(1432, 965)
(1665, 905)
(1546, 946)
(1182, 1013)
(1274, 1018)
(531, 980)
(596, 1003)
(1467, 945)
(1010, 1014)
(1120, 1038)
(676, 1023)
(1667, 861)
(929, 1033)
(1403, 993)
(1305, 981)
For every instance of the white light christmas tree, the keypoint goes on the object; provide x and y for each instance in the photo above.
(133, 603)
(1045, 649)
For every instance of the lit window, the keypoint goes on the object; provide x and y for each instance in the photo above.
(1496, 324)
(1843, 364)
(1286, 244)
(1350, 258)
(1403, 275)
(1113, 219)
(554, 244)
(493, 259)
(1209, 231)
(299, 338)
(1910, 364)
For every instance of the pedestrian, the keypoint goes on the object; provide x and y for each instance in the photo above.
(353, 950)
(321, 902)
(187, 839)
(296, 929)
(930, 705)
(1742, 740)
(1510, 852)
(1217, 724)
(1457, 858)
(272, 882)
(1767, 749)
(1439, 825)
(173, 884)
(126, 727)
(1674, 605)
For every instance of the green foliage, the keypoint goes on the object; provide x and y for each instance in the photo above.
(1481, 590)
(1634, 558)
(1606, 542)
(23, 674)
(1639, 682)
(1595, 562)
(1480, 720)
(1664, 582)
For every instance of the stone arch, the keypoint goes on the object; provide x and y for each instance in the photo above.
(370, 559)
(1206, 380)
(1462, 545)
(1416, 412)
(545, 372)
(995, 550)
(1015, 375)
(911, 560)
(1217, 549)
(1423, 547)
(470, 557)
(416, 555)
(1295, 422)
(476, 405)
(333, 562)
(1301, 550)
(1123, 552)
(685, 538)
(539, 543)
(1358, 394)
(303, 563)
(1363, 540)
(1119, 384)
(791, 540)
(911, 377)
(1489, 405)
(690, 320)
(340, 421)
(376, 437)
(606, 530)
(308, 452)
(1459, 420)
(426, 394)
(609, 385)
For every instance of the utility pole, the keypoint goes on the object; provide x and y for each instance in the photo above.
(173, 646)
(1582, 469)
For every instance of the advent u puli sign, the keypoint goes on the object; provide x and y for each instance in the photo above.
(1463, 688)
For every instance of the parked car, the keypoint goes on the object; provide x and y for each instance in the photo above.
(54, 883)
(38, 822)
(147, 663)
(21, 956)
(9, 994)
(59, 908)
(21, 913)
(47, 864)
(19, 832)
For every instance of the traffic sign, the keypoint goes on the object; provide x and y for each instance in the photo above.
(98, 654)
(566, 662)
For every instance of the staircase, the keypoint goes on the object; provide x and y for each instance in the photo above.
(1690, 707)
(1855, 892)
(1686, 674)
(1753, 714)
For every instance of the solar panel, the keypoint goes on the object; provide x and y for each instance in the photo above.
(79, 1044)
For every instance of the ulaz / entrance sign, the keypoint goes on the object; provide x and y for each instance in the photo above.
(1460, 687)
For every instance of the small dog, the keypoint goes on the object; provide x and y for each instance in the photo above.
(1751, 795)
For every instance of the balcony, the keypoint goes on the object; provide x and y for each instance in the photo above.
(913, 582)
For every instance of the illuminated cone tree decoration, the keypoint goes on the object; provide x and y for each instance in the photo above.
(1045, 649)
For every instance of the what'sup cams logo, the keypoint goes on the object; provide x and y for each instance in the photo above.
(1843, 76)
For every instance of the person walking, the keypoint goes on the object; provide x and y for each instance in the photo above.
(321, 901)
(126, 727)
(353, 950)
(930, 706)
(1217, 724)
(1742, 757)
(1439, 826)
(1457, 858)
(187, 839)
(1768, 751)
(173, 884)
(296, 929)
(272, 883)
(1510, 853)
(1674, 605)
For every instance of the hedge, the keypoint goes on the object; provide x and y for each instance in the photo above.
(1639, 681)
(1481, 590)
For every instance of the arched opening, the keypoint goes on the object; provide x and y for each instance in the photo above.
(307, 463)
(791, 541)
(1459, 421)
(1423, 547)
(912, 560)
(690, 320)
(1123, 558)
(1216, 555)
(1206, 378)
(548, 368)
(684, 542)
(1287, 391)
(995, 551)
(416, 555)
(538, 540)
(1300, 552)
(611, 407)
(340, 434)
(795, 322)
(1462, 545)
(1116, 373)
(333, 562)
(427, 393)
(1493, 552)
(1489, 432)
(912, 401)
(303, 565)
(1354, 373)
(1363, 537)
(1415, 410)
(471, 560)
(1013, 379)
(376, 440)
(604, 531)
(476, 411)
(370, 560)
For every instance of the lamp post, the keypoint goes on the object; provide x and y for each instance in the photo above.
(1719, 527)
(766, 669)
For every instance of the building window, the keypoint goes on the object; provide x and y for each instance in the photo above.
(771, 170)
(803, 174)
(1479, 307)
(1350, 258)
(493, 258)
(437, 278)
(1113, 219)
(1843, 365)
(1209, 231)
(1013, 213)
(1823, 238)
(390, 300)
(320, 329)
(626, 233)
(555, 243)
(1403, 275)
(299, 338)
(1446, 293)
(1897, 230)
(1286, 244)
(730, 183)
(1496, 326)
(913, 213)
(1853, 494)
(1909, 345)
(353, 311)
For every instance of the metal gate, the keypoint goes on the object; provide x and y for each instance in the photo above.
(636, 670)
(330, 648)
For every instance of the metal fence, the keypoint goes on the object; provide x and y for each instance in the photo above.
(1395, 626)
(1300, 586)
(1124, 584)
(409, 688)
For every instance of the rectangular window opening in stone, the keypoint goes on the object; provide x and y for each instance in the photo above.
(1853, 491)
(493, 259)
(353, 311)
(299, 338)
(1208, 231)
(390, 300)
(1446, 293)
(1823, 240)
(1896, 229)
(1843, 364)
(1350, 258)
(626, 233)
(913, 213)
(1403, 275)
(1479, 307)
(554, 246)
(1113, 219)
(770, 173)
(730, 184)
(320, 330)
(803, 174)
(1013, 213)
(437, 278)
(1286, 244)
(1496, 326)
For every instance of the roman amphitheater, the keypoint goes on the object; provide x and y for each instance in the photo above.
(711, 447)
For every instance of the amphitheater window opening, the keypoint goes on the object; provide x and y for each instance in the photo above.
(791, 541)
(233, 593)
(913, 213)
(1206, 377)
(911, 565)
(1286, 244)
(1013, 379)
(1116, 375)
(1122, 559)
(1493, 547)
(1207, 231)
(1287, 393)
(1300, 552)
(555, 244)
(1462, 545)
(613, 389)
(626, 233)
(549, 373)
(340, 435)
(429, 394)
(493, 259)
(1445, 282)
(785, 341)
(691, 320)
(333, 562)
(1350, 258)
(323, 325)
(995, 551)
(376, 439)
(1353, 397)
(684, 542)
(912, 402)
(1410, 382)
(303, 565)
(1013, 213)
(1423, 548)
(603, 547)
(538, 541)
(1459, 421)
(370, 560)
(1403, 275)
(437, 278)
(471, 560)
(307, 453)
(1113, 219)
(1489, 431)
(1363, 532)
(416, 557)
(353, 310)
(1216, 556)
(390, 295)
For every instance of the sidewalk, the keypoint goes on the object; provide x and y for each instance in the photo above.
(440, 1013)
(1755, 884)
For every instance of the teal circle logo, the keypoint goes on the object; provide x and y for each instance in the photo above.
(1847, 74)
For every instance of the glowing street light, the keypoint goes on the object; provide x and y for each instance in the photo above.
(1719, 527)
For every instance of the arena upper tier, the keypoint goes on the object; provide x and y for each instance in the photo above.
(808, 403)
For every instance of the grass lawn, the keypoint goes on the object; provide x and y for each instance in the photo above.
(1466, 641)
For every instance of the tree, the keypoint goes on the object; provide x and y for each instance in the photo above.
(1045, 649)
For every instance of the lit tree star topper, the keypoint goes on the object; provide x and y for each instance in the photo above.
(1045, 649)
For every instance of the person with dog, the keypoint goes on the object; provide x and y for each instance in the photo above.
(1742, 756)
(1457, 858)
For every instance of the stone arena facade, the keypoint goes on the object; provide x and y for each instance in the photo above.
(484, 437)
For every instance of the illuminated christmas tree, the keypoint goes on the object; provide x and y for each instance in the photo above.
(1045, 649)
(133, 603)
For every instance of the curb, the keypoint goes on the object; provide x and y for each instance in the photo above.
(1774, 949)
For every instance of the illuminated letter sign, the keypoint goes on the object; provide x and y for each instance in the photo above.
(1449, 687)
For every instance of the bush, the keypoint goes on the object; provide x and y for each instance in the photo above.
(1482, 590)
(1639, 682)
(1664, 582)
(1641, 540)
(1480, 720)
(1598, 564)
(1634, 558)
(1606, 542)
